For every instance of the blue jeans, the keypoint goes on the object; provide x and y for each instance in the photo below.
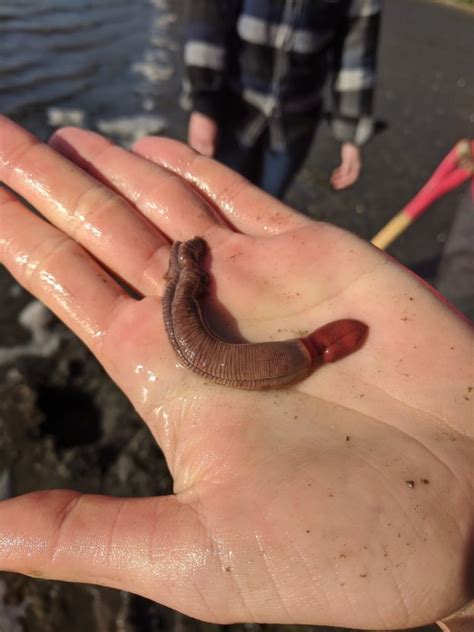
(270, 170)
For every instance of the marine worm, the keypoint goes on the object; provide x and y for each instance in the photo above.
(248, 365)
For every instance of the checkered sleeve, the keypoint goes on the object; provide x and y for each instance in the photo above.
(354, 72)
(208, 24)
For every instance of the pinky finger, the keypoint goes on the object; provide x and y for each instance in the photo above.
(58, 271)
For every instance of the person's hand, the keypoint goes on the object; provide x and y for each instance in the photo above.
(344, 500)
(349, 170)
(202, 134)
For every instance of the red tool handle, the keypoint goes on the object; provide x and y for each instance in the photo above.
(454, 169)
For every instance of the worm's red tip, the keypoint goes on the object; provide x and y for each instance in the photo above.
(338, 339)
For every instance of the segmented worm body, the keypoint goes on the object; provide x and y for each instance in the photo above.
(252, 366)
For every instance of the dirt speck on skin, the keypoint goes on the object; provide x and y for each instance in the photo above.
(300, 333)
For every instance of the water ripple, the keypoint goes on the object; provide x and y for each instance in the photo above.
(101, 59)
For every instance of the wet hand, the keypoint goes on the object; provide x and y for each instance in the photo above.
(344, 500)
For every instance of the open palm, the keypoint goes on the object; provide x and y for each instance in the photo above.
(346, 499)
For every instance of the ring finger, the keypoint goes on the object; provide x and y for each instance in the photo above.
(58, 271)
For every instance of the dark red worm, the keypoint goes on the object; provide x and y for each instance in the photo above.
(252, 366)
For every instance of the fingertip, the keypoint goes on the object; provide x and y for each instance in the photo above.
(15, 141)
(67, 138)
(64, 132)
(163, 150)
(59, 140)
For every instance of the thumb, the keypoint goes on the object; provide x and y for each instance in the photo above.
(154, 547)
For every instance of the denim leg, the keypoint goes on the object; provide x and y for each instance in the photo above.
(245, 160)
(280, 167)
(270, 170)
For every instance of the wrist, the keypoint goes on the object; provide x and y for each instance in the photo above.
(351, 145)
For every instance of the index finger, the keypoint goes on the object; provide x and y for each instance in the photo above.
(249, 209)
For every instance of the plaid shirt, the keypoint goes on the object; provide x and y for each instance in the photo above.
(277, 56)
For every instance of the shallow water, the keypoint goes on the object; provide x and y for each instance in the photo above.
(109, 65)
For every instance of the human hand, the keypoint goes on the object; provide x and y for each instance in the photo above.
(202, 134)
(348, 171)
(344, 500)
(461, 621)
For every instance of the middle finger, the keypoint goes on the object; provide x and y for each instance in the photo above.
(98, 218)
(163, 197)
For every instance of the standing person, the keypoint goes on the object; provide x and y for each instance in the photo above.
(255, 74)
